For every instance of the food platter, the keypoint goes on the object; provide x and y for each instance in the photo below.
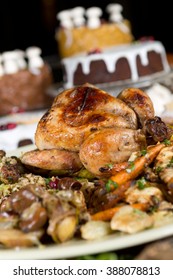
(76, 248)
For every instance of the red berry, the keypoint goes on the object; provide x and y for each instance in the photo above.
(94, 51)
(8, 126)
(11, 125)
(53, 184)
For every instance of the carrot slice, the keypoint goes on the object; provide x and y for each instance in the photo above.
(106, 215)
(138, 166)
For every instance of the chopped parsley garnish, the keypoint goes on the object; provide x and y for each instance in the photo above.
(131, 166)
(111, 184)
(170, 164)
(143, 152)
(110, 165)
(158, 169)
(141, 183)
(167, 142)
(47, 180)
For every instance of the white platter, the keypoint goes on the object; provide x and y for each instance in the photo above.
(78, 248)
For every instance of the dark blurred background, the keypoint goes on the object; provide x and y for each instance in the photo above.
(33, 22)
(25, 23)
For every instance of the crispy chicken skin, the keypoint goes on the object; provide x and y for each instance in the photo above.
(152, 125)
(140, 102)
(88, 127)
(76, 113)
(52, 160)
(108, 146)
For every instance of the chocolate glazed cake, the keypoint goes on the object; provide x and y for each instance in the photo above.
(24, 81)
(24, 90)
(131, 62)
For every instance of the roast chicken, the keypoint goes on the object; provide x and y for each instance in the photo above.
(87, 127)
(77, 113)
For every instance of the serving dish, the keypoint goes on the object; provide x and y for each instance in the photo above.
(77, 247)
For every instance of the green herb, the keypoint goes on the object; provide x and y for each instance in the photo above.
(170, 164)
(158, 169)
(167, 142)
(131, 166)
(141, 183)
(110, 165)
(156, 202)
(111, 184)
(143, 152)
(47, 180)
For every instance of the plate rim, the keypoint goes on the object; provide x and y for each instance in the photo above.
(77, 248)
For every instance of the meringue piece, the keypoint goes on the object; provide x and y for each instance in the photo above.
(21, 59)
(10, 63)
(77, 12)
(93, 15)
(9, 55)
(63, 15)
(77, 15)
(67, 23)
(79, 21)
(94, 12)
(34, 58)
(33, 51)
(93, 22)
(65, 19)
(115, 11)
(116, 17)
(117, 8)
